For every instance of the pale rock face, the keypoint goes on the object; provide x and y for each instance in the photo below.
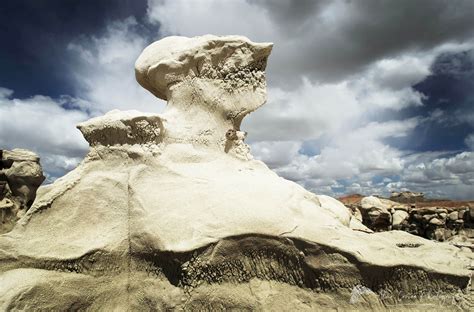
(336, 208)
(25, 174)
(170, 211)
(377, 210)
(20, 176)
(210, 82)
(399, 216)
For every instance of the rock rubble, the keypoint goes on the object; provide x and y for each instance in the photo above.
(433, 221)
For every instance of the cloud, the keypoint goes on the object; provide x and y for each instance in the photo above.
(317, 110)
(340, 76)
(323, 40)
(349, 155)
(103, 76)
(339, 73)
(438, 175)
(44, 125)
(304, 113)
(103, 72)
(470, 141)
(276, 153)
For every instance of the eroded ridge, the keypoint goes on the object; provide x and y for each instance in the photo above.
(120, 128)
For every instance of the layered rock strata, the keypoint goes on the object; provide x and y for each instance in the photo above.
(170, 212)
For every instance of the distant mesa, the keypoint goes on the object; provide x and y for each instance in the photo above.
(407, 197)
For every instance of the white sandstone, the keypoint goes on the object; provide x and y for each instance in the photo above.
(156, 187)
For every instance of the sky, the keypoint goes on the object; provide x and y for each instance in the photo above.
(364, 97)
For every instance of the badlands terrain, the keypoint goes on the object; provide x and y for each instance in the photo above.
(171, 212)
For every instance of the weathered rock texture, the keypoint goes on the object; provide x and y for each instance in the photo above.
(20, 177)
(170, 211)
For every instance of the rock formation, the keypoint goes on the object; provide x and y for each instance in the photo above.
(170, 211)
(407, 197)
(436, 220)
(20, 177)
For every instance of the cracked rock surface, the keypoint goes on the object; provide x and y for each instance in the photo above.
(167, 213)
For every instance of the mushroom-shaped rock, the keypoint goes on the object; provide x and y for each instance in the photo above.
(211, 83)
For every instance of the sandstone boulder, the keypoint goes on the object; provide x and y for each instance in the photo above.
(20, 176)
(377, 212)
(399, 216)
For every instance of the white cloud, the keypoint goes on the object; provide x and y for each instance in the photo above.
(43, 125)
(440, 175)
(436, 174)
(349, 155)
(304, 113)
(103, 74)
(276, 153)
(397, 74)
(194, 18)
(332, 77)
(314, 109)
(324, 40)
(104, 71)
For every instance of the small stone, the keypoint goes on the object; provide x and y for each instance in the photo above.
(374, 214)
(439, 235)
(428, 217)
(441, 210)
(443, 215)
(436, 221)
(461, 214)
(427, 210)
(453, 216)
(399, 216)
(405, 208)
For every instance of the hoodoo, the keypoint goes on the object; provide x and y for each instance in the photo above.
(171, 211)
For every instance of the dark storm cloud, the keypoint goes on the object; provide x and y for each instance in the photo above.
(333, 39)
(291, 13)
(447, 112)
(34, 35)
